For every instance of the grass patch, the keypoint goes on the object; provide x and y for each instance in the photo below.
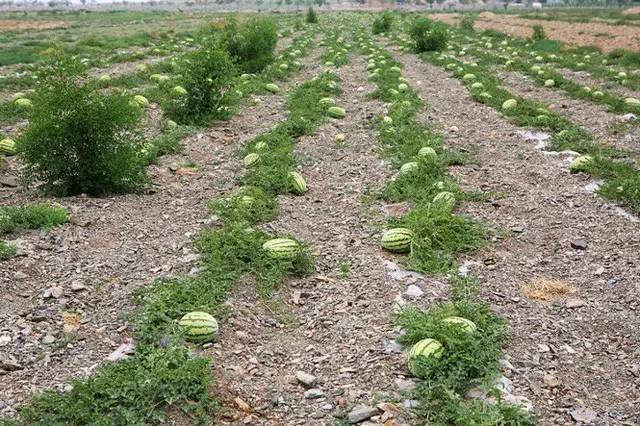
(7, 251)
(35, 216)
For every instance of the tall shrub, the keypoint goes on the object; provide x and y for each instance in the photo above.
(252, 44)
(428, 36)
(79, 139)
(206, 75)
(382, 23)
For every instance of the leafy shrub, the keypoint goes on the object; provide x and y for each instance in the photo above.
(35, 216)
(312, 17)
(467, 22)
(206, 75)
(428, 36)
(382, 23)
(252, 44)
(538, 33)
(79, 139)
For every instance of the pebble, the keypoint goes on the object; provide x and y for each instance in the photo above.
(48, 339)
(579, 244)
(361, 413)
(414, 292)
(9, 363)
(314, 393)
(584, 415)
(573, 303)
(305, 378)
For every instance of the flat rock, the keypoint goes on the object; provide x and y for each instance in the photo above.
(584, 415)
(579, 244)
(305, 378)
(413, 292)
(9, 363)
(314, 393)
(360, 413)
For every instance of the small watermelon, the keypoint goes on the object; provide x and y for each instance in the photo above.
(634, 102)
(23, 103)
(298, 184)
(282, 248)
(336, 112)
(104, 78)
(397, 240)
(339, 138)
(466, 325)
(262, 145)
(445, 199)
(428, 153)
(424, 348)
(402, 87)
(251, 159)
(408, 167)
(199, 327)
(179, 91)
(271, 87)
(549, 83)
(7, 146)
(171, 125)
(509, 104)
(327, 102)
(141, 101)
(579, 164)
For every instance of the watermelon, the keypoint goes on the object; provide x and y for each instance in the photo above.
(18, 95)
(336, 112)
(598, 94)
(247, 200)
(7, 147)
(395, 69)
(632, 102)
(262, 145)
(402, 87)
(340, 137)
(445, 199)
(179, 91)
(387, 120)
(104, 78)
(199, 327)
(171, 125)
(428, 153)
(549, 83)
(424, 348)
(283, 67)
(397, 240)
(23, 103)
(271, 87)
(408, 167)
(282, 248)
(141, 101)
(469, 77)
(477, 85)
(509, 104)
(327, 102)
(466, 325)
(141, 68)
(579, 164)
(251, 159)
(298, 184)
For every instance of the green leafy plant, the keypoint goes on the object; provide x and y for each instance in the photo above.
(312, 17)
(252, 44)
(382, 22)
(467, 22)
(34, 216)
(428, 36)
(7, 250)
(79, 139)
(538, 33)
(206, 75)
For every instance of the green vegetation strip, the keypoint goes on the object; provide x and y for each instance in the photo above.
(621, 179)
(455, 346)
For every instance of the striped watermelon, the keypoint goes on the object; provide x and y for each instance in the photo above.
(424, 348)
(445, 199)
(282, 248)
(298, 184)
(397, 240)
(261, 145)
(251, 159)
(271, 87)
(199, 327)
(179, 91)
(327, 102)
(247, 200)
(466, 325)
(7, 147)
(428, 153)
(23, 103)
(141, 101)
(408, 167)
(337, 112)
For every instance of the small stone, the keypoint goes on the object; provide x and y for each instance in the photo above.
(9, 363)
(9, 181)
(20, 275)
(54, 292)
(392, 347)
(306, 378)
(314, 393)
(411, 403)
(579, 244)
(405, 384)
(78, 286)
(48, 339)
(573, 303)
(584, 415)
(413, 291)
(551, 381)
(360, 413)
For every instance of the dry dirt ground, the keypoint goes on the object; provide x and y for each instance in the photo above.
(606, 37)
(577, 356)
(85, 271)
(18, 25)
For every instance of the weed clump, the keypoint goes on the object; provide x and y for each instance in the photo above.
(252, 44)
(382, 23)
(428, 36)
(79, 139)
(312, 17)
(538, 33)
(467, 22)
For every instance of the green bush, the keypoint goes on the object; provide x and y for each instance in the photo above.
(428, 36)
(206, 75)
(382, 23)
(34, 216)
(252, 44)
(467, 22)
(538, 33)
(79, 139)
(311, 18)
